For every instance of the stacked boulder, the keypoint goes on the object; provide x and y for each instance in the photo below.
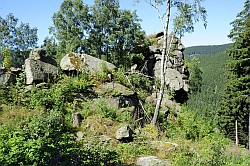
(176, 76)
(39, 67)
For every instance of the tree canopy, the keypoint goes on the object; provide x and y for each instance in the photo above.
(236, 97)
(19, 38)
(102, 30)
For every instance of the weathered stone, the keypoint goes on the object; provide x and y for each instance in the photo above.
(152, 161)
(76, 119)
(6, 77)
(164, 146)
(37, 54)
(37, 71)
(174, 79)
(40, 54)
(125, 133)
(166, 102)
(81, 62)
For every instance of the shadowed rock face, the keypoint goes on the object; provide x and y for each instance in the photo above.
(39, 67)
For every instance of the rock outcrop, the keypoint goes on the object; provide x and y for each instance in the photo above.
(80, 62)
(176, 76)
(176, 72)
(39, 67)
(152, 161)
(125, 133)
(8, 76)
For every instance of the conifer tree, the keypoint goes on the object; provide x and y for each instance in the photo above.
(236, 97)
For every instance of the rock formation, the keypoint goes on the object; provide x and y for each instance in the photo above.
(176, 76)
(125, 133)
(152, 161)
(80, 62)
(8, 76)
(39, 67)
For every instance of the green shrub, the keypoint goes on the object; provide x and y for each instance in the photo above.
(105, 109)
(130, 151)
(58, 94)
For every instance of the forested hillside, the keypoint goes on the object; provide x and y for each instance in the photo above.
(205, 50)
(90, 95)
(206, 101)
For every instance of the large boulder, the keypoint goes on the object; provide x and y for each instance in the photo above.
(152, 161)
(81, 62)
(37, 71)
(125, 133)
(6, 77)
(39, 67)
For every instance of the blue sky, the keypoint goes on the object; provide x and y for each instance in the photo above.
(38, 14)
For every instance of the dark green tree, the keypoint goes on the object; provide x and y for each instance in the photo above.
(115, 34)
(236, 98)
(19, 38)
(102, 30)
(71, 25)
(195, 77)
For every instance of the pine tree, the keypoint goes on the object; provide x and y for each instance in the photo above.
(236, 97)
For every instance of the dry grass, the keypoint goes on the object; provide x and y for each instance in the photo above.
(14, 116)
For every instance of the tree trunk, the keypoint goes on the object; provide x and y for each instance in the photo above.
(163, 56)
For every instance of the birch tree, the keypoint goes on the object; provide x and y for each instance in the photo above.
(182, 15)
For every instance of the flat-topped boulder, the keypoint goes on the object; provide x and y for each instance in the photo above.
(83, 62)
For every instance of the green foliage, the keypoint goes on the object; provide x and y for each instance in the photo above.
(209, 151)
(34, 143)
(206, 102)
(236, 97)
(190, 126)
(195, 75)
(19, 38)
(7, 57)
(120, 77)
(44, 140)
(104, 30)
(188, 13)
(205, 50)
(106, 110)
(64, 91)
(103, 75)
(130, 151)
(142, 85)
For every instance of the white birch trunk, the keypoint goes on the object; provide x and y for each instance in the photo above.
(162, 74)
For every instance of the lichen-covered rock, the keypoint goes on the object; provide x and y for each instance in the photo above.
(152, 161)
(122, 97)
(105, 138)
(81, 62)
(6, 78)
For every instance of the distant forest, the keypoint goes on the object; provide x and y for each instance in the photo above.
(205, 50)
